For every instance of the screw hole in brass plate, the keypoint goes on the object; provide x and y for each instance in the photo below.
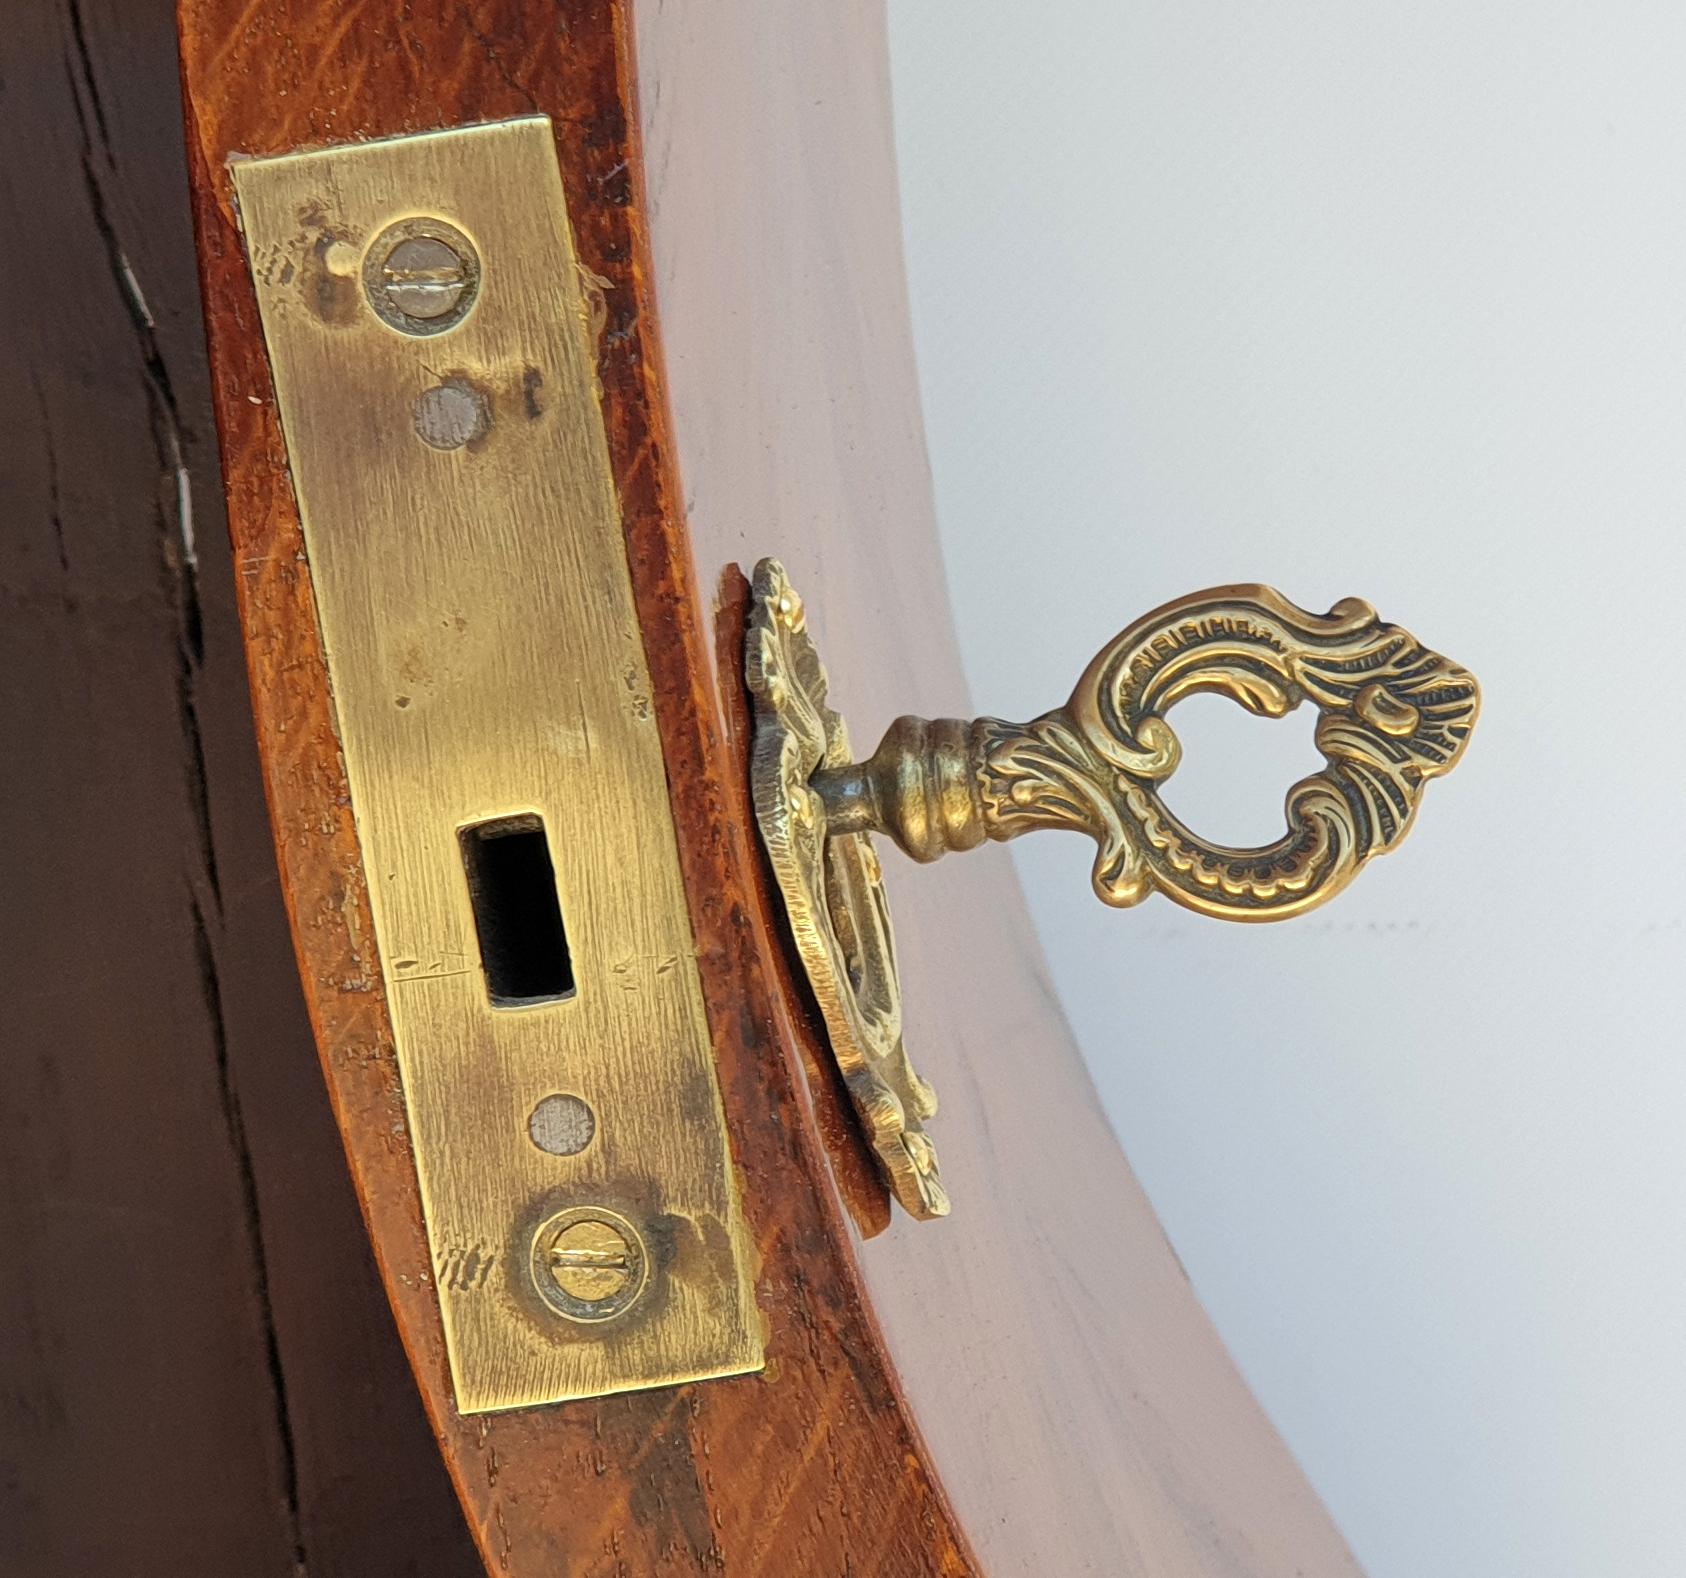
(562, 1125)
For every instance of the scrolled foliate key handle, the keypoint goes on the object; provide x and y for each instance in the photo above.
(1393, 715)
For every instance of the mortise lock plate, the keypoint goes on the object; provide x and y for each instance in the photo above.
(1393, 715)
(430, 332)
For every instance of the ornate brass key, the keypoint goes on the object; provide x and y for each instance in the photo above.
(1393, 715)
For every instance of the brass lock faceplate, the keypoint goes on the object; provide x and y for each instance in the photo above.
(431, 334)
(1393, 714)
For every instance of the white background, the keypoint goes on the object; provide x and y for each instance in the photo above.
(1385, 299)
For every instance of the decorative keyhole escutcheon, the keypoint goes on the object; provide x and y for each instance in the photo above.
(1392, 714)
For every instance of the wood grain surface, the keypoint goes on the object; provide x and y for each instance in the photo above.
(814, 1467)
(198, 1370)
(1042, 1349)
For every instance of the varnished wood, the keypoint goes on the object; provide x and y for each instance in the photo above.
(813, 1468)
(1072, 1394)
(1041, 1351)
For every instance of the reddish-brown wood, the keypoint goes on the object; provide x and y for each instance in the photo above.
(1042, 1346)
(813, 1468)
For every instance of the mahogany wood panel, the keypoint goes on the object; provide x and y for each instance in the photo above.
(813, 1468)
(1042, 1347)
(199, 1377)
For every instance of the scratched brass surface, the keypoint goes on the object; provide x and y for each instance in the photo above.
(465, 548)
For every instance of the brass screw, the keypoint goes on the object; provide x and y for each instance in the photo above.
(591, 1261)
(421, 276)
(424, 278)
(588, 1264)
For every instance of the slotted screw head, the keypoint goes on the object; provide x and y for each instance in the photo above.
(588, 1264)
(421, 276)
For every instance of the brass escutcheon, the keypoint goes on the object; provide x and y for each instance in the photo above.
(1393, 715)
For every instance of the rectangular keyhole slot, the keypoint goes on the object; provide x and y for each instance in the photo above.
(517, 914)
